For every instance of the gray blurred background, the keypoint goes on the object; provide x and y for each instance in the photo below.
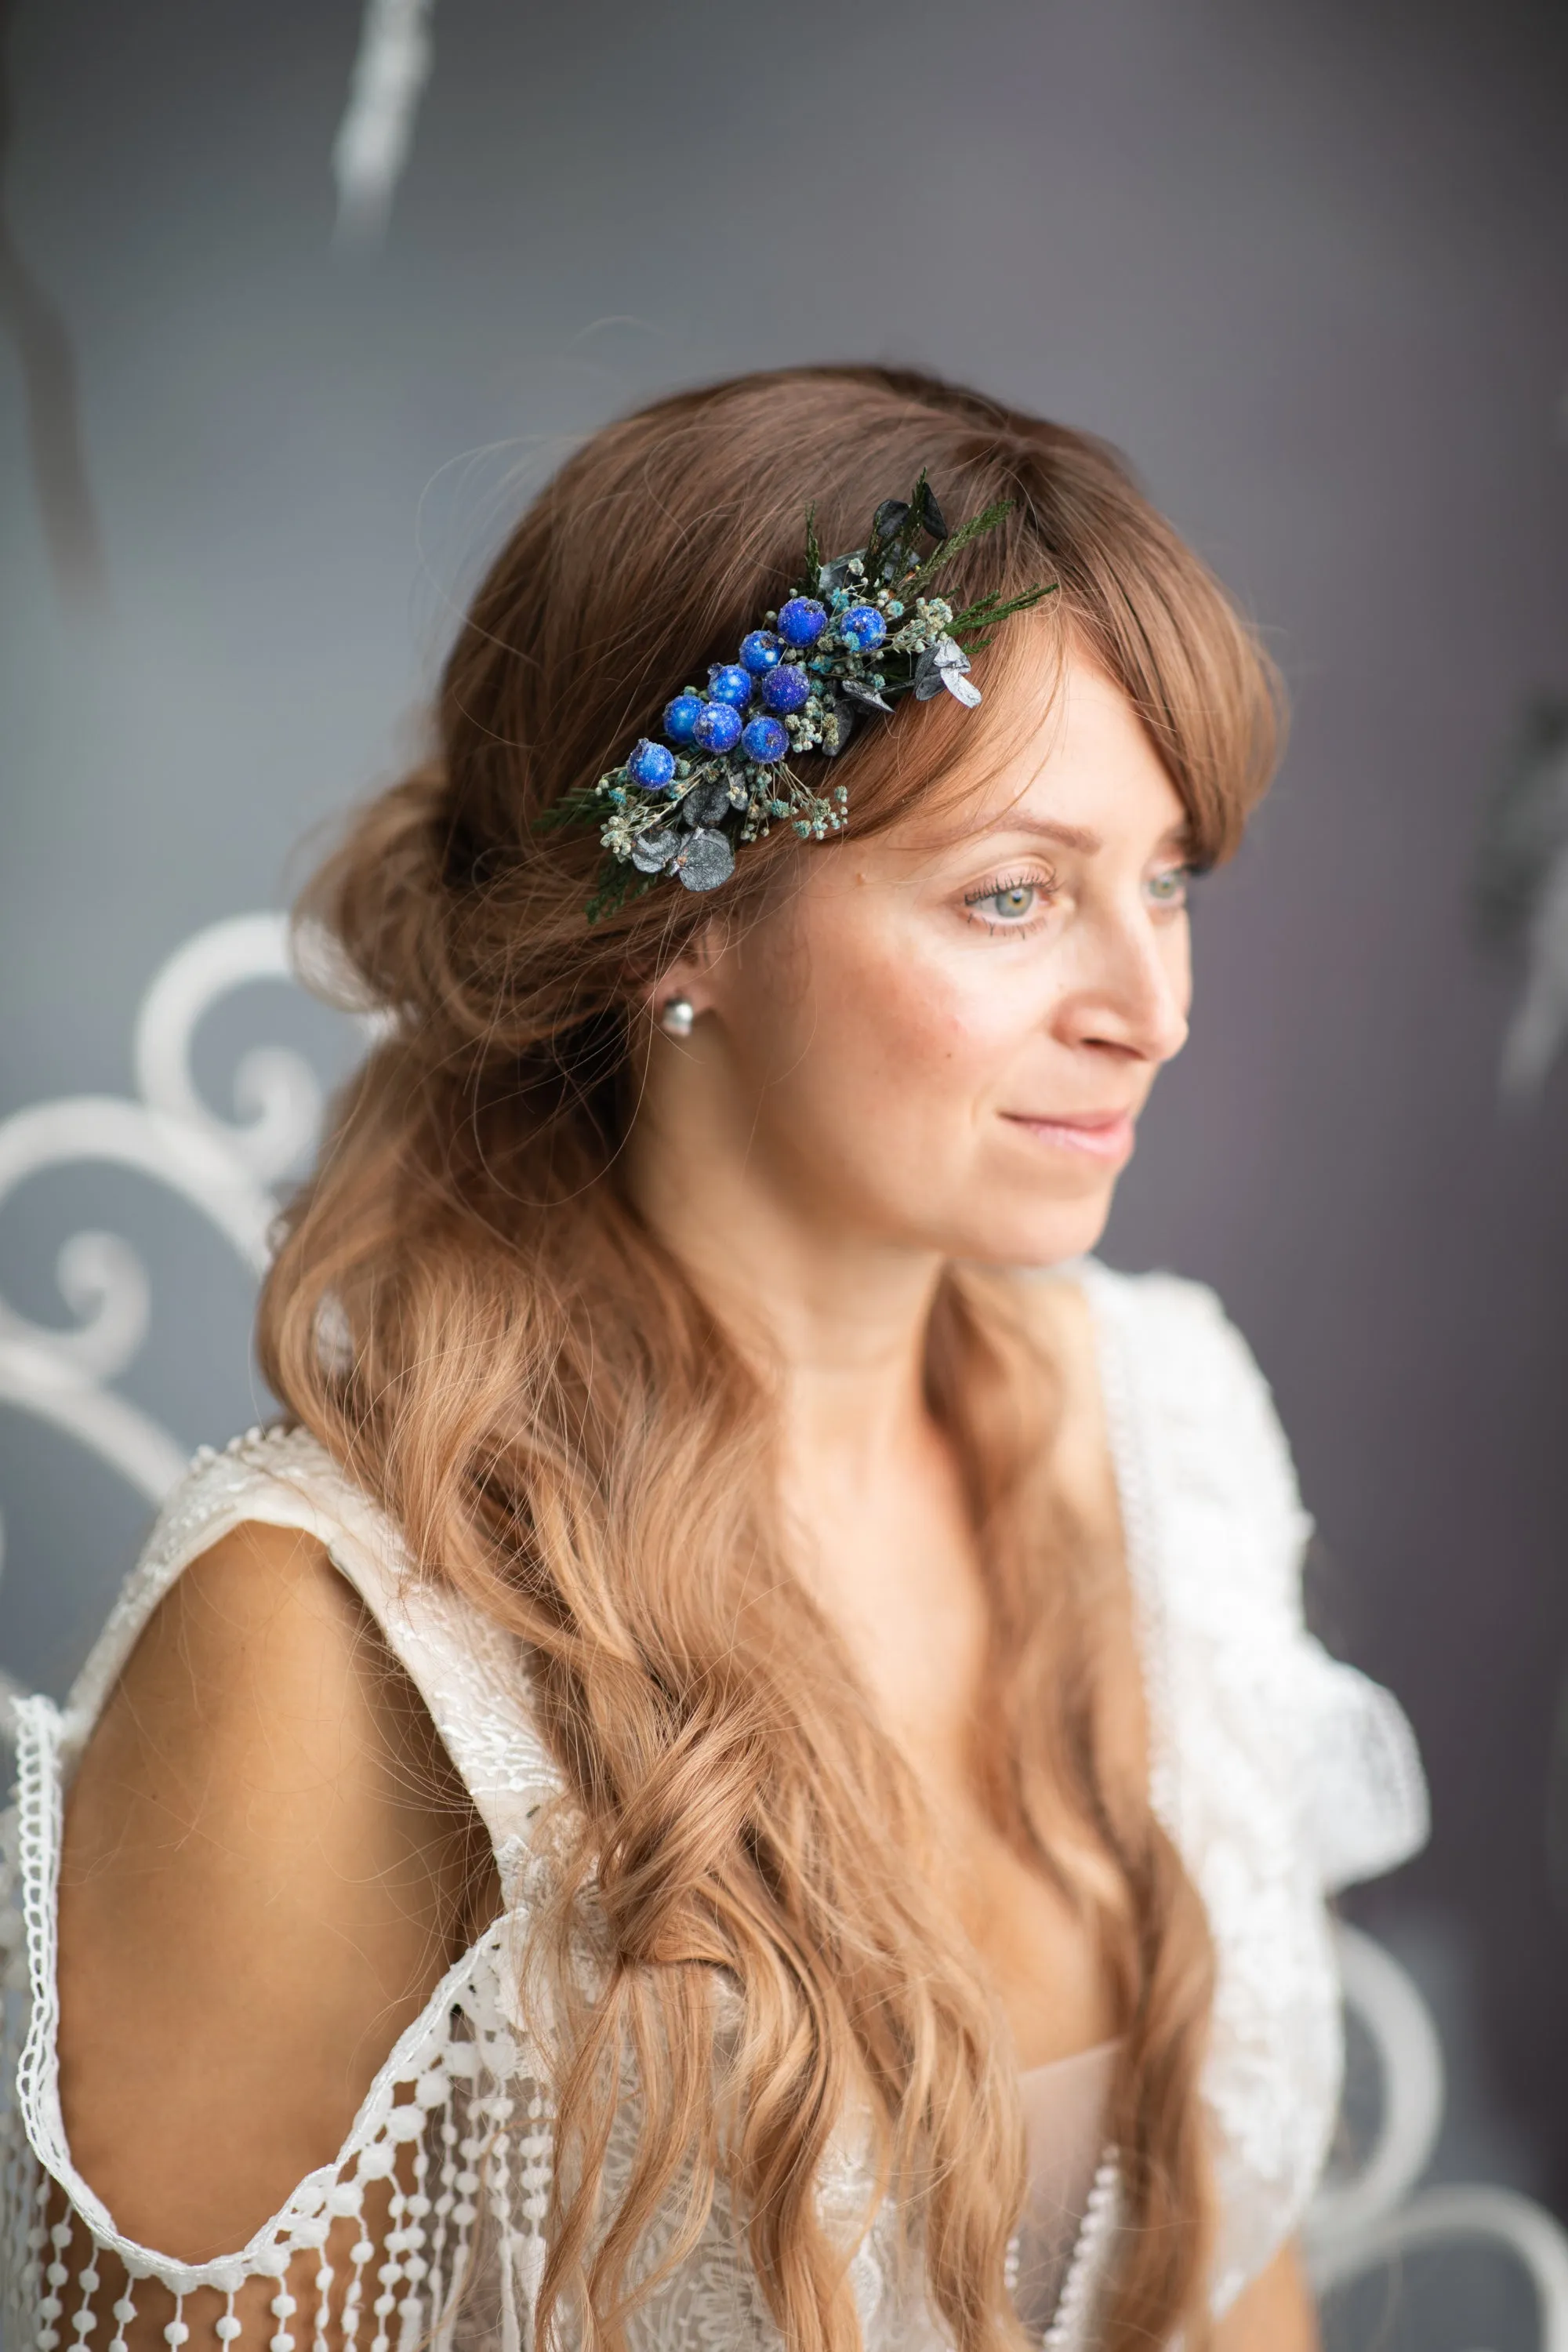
(1303, 259)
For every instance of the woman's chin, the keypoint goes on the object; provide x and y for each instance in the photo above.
(1043, 1234)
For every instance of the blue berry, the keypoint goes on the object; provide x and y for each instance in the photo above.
(681, 717)
(863, 627)
(802, 621)
(786, 688)
(719, 728)
(651, 766)
(760, 652)
(730, 683)
(765, 740)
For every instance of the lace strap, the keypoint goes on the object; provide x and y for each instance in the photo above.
(40, 1826)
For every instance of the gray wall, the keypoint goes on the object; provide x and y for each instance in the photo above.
(1302, 258)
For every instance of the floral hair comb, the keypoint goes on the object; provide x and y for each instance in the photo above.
(859, 632)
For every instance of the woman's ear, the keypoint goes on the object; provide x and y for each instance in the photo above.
(684, 988)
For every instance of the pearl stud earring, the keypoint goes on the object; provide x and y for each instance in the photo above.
(676, 1015)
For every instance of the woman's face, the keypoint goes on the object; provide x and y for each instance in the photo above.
(942, 1040)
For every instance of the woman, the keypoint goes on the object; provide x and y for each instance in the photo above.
(743, 1767)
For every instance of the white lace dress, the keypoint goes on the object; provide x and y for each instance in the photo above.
(1281, 1774)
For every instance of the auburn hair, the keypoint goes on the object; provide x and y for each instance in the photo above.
(467, 1311)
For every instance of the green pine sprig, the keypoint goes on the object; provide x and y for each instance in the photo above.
(618, 885)
(813, 558)
(582, 805)
(983, 617)
(941, 555)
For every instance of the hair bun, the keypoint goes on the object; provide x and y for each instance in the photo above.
(373, 931)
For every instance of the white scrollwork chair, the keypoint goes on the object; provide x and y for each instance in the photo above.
(1371, 2216)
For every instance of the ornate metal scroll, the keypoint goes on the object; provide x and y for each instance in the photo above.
(1378, 2214)
(224, 1166)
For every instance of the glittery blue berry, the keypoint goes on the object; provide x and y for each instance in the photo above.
(786, 688)
(651, 766)
(802, 621)
(760, 652)
(719, 728)
(764, 740)
(730, 683)
(863, 627)
(681, 717)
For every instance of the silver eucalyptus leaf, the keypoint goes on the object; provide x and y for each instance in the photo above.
(833, 576)
(962, 689)
(864, 696)
(707, 803)
(704, 859)
(652, 851)
(938, 666)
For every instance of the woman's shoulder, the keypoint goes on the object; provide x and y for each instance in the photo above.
(1216, 1531)
(276, 1478)
(1173, 1362)
(1283, 1773)
(249, 1898)
(1185, 1418)
(282, 1489)
(1217, 1536)
(265, 1869)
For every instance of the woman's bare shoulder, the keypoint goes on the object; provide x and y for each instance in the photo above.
(266, 1869)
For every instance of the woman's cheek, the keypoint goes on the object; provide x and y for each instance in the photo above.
(932, 1020)
(917, 1010)
(975, 1013)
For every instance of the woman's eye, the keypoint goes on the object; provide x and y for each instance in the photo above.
(1008, 902)
(1170, 888)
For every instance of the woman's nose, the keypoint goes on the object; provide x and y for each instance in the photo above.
(1133, 993)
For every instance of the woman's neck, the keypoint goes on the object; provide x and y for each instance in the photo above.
(872, 1507)
(833, 1317)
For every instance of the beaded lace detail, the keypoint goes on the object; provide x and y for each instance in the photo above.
(1281, 1774)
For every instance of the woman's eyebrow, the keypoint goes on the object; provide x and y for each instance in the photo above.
(1009, 823)
(1066, 836)
(1081, 837)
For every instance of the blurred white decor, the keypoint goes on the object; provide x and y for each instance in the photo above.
(1522, 896)
(1371, 2215)
(389, 70)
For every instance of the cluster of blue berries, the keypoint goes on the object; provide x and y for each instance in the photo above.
(772, 673)
(802, 682)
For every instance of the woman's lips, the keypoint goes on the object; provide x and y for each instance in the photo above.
(1105, 1136)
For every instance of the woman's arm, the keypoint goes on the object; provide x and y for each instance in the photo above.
(1275, 2314)
(266, 1865)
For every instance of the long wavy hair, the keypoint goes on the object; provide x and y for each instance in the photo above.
(534, 1389)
